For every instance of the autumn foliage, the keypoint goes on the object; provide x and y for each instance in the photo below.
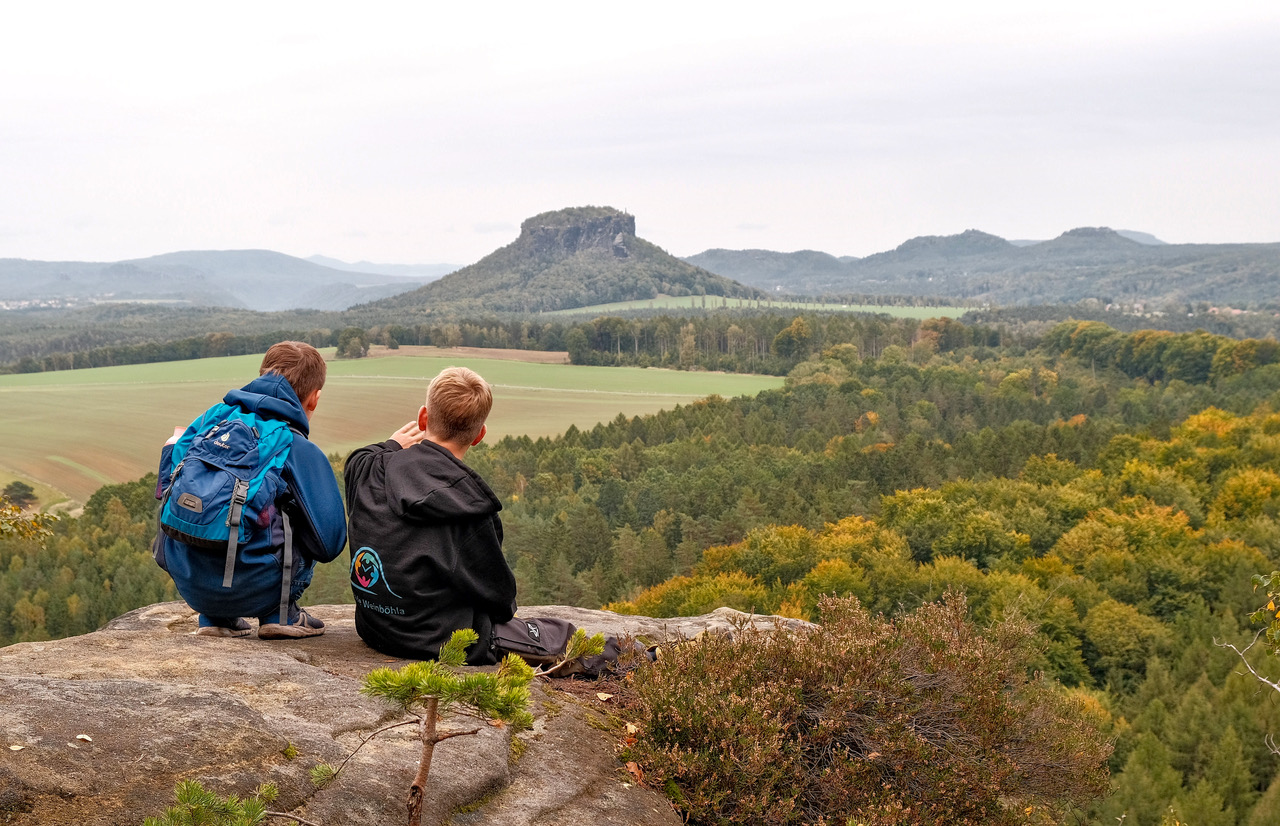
(919, 719)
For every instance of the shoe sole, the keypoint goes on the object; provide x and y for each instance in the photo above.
(276, 631)
(218, 631)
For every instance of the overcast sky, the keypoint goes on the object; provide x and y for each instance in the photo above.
(401, 132)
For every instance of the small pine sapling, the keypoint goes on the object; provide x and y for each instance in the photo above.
(429, 690)
(197, 806)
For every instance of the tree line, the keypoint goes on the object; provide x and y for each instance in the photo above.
(739, 341)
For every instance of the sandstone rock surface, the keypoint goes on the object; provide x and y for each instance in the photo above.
(159, 704)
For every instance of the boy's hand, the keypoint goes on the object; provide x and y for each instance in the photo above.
(409, 435)
(177, 432)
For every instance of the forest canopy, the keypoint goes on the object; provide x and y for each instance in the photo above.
(1118, 490)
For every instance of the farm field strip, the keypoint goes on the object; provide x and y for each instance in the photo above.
(497, 385)
(70, 431)
(695, 302)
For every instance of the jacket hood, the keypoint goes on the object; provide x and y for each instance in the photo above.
(271, 397)
(430, 483)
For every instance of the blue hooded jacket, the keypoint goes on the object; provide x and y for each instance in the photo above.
(311, 499)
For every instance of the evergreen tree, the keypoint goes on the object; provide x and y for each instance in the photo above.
(1203, 807)
(1266, 812)
(1145, 788)
(1228, 772)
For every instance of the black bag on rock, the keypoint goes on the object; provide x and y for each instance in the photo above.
(542, 642)
(538, 641)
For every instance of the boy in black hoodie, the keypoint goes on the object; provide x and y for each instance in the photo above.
(426, 541)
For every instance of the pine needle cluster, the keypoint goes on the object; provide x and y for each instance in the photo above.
(500, 696)
(197, 806)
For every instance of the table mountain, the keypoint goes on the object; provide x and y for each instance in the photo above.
(568, 258)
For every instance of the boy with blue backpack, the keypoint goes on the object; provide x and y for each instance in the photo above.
(249, 505)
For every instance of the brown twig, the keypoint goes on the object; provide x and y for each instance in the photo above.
(291, 817)
(1241, 654)
(448, 734)
(363, 741)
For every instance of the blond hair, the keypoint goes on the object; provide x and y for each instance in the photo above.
(458, 402)
(300, 363)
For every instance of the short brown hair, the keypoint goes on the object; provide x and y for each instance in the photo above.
(300, 363)
(458, 402)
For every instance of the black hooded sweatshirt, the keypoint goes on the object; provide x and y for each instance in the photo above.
(426, 546)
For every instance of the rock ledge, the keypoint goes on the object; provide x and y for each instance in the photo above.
(161, 704)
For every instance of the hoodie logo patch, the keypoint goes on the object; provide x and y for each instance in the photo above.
(533, 631)
(367, 572)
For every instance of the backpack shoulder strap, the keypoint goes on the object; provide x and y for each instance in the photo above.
(286, 573)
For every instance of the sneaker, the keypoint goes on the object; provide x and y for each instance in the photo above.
(218, 627)
(303, 625)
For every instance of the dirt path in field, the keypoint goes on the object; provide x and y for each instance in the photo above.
(533, 356)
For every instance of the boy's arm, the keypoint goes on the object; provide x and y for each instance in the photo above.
(360, 462)
(323, 534)
(483, 571)
(165, 471)
(166, 460)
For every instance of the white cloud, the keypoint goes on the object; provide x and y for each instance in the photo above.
(412, 133)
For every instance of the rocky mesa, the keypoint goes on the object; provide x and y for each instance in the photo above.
(567, 258)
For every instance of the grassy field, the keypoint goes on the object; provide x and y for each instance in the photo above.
(711, 302)
(69, 432)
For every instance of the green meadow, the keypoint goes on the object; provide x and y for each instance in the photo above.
(712, 302)
(72, 431)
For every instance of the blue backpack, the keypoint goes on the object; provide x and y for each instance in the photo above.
(226, 474)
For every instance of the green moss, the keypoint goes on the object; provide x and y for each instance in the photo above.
(473, 806)
(602, 721)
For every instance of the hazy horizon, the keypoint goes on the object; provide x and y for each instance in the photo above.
(329, 260)
(416, 135)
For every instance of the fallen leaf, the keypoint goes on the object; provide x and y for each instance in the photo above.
(604, 698)
(873, 755)
(16, 748)
(497, 723)
(84, 737)
(632, 728)
(635, 771)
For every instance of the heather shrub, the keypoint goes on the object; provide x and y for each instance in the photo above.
(919, 719)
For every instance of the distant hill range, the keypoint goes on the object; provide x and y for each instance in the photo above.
(1085, 263)
(250, 279)
(568, 258)
(1141, 237)
(421, 272)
